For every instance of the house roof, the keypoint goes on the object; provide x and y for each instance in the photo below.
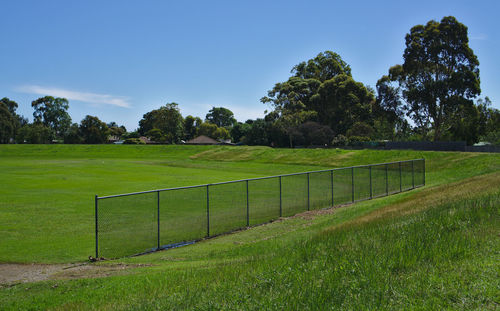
(202, 140)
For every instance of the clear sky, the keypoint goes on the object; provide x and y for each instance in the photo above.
(120, 59)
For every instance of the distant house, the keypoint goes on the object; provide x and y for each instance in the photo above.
(202, 140)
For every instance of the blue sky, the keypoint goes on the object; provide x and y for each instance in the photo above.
(120, 59)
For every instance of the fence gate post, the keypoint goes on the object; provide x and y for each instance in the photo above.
(400, 179)
(248, 208)
(96, 229)
(158, 215)
(208, 213)
(386, 180)
(352, 183)
(412, 175)
(281, 201)
(424, 171)
(331, 181)
(371, 190)
(308, 196)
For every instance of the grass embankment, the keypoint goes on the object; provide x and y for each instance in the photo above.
(46, 211)
(433, 248)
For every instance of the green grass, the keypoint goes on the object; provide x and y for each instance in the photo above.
(432, 248)
(46, 211)
(409, 251)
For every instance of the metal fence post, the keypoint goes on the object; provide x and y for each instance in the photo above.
(386, 180)
(208, 212)
(400, 179)
(412, 175)
(248, 208)
(424, 171)
(96, 228)
(308, 194)
(352, 183)
(371, 191)
(158, 212)
(281, 201)
(331, 181)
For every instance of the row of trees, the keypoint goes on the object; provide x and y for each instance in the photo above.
(166, 124)
(52, 123)
(433, 95)
(429, 97)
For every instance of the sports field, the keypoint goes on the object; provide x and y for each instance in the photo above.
(385, 253)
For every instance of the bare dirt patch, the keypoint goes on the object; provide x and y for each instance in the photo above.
(22, 273)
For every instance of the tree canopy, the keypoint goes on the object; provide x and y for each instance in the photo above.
(93, 130)
(7, 124)
(220, 116)
(438, 79)
(52, 112)
(322, 90)
(168, 119)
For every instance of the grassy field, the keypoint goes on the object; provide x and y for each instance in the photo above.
(432, 248)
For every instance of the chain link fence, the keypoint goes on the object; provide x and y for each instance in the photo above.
(135, 223)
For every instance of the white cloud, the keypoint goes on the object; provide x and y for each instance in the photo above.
(94, 98)
(481, 37)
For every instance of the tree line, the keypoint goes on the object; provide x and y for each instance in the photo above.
(433, 95)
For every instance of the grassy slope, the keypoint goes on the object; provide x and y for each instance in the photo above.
(433, 248)
(46, 211)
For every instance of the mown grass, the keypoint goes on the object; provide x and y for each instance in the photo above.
(431, 249)
(46, 210)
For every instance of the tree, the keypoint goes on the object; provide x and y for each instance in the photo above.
(10, 124)
(389, 110)
(52, 112)
(439, 76)
(191, 126)
(156, 135)
(207, 129)
(10, 104)
(463, 124)
(314, 134)
(116, 130)
(323, 90)
(93, 130)
(324, 66)
(341, 101)
(361, 129)
(222, 134)
(239, 130)
(489, 118)
(220, 116)
(288, 122)
(7, 124)
(167, 118)
(257, 134)
(35, 133)
(72, 135)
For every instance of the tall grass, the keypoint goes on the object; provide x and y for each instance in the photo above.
(443, 257)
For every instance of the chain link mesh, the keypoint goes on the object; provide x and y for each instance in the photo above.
(127, 225)
(142, 222)
(183, 215)
(294, 194)
(264, 200)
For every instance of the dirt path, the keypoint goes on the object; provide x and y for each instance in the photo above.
(21, 273)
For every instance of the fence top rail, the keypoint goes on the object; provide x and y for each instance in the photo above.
(251, 179)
